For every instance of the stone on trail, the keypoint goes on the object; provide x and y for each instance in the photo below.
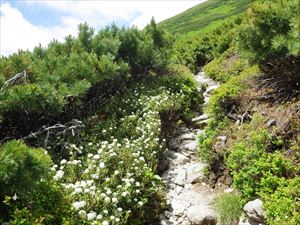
(202, 216)
(194, 172)
(255, 212)
(190, 146)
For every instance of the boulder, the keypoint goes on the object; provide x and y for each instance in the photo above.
(194, 172)
(255, 212)
(180, 176)
(199, 215)
(189, 146)
(177, 158)
(187, 136)
(178, 207)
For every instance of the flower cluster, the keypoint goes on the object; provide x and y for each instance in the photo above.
(116, 178)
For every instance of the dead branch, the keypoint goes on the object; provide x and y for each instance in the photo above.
(14, 79)
(56, 129)
(233, 114)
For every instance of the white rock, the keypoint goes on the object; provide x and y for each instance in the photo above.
(190, 146)
(185, 222)
(195, 172)
(180, 176)
(200, 215)
(179, 158)
(178, 207)
(229, 190)
(254, 210)
(199, 118)
(211, 88)
(168, 214)
(187, 136)
(243, 222)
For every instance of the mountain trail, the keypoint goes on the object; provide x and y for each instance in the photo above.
(190, 200)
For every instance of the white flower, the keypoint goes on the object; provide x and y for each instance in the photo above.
(140, 203)
(137, 184)
(15, 197)
(124, 193)
(107, 199)
(99, 217)
(105, 222)
(78, 205)
(83, 183)
(142, 158)
(96, 157)
(117, 220)
(91, 215)
(95, 176)
(77, 190)
(112, 217)
(82, 214)
(105, 211)
(101, 165)
(59, 174)
(114, 200)
(89, 182)
(120, 209)
(63, 161)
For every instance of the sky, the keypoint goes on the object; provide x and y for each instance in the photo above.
(26, 23)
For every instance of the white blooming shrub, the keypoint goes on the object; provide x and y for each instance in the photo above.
(109, 176)
(112, 179)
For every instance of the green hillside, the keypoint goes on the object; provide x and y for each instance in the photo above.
(200, 16)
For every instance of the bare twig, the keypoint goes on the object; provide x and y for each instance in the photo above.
(56, 129)
(14, 79)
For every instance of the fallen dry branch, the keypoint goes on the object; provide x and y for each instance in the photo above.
(56, 129)
(14, 79)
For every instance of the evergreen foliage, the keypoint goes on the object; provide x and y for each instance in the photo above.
(67, 70)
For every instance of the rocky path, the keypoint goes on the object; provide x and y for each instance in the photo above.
(189, 198)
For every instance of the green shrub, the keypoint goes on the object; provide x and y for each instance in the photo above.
(272, 30)
(228, 209)
(26, 182)
(228, 94)
(226, 66)
(254, 170)
(283, 206)
(21, 168)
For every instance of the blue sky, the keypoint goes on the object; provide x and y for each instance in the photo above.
(26, 23)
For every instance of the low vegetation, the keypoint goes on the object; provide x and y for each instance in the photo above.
(228, 208)
(89, 114)
(82, 122)
(255, 111)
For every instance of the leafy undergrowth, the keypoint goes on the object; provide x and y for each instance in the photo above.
(252, 141)
(228, 208)
(108, 175)
(260, 155)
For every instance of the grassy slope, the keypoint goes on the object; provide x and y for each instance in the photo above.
(204, 16)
